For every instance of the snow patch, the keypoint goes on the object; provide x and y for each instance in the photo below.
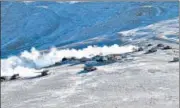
(161, 30)
(73, 2)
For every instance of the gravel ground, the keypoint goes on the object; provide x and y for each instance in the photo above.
(139, 81)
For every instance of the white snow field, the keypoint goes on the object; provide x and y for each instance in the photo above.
(138, 80)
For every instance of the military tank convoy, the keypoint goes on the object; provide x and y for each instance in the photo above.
(97, 60)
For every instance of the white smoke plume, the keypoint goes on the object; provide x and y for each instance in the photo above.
(29, 63)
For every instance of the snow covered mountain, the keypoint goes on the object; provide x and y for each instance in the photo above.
(75, 24)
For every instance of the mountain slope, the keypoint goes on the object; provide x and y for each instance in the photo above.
(46, 24)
